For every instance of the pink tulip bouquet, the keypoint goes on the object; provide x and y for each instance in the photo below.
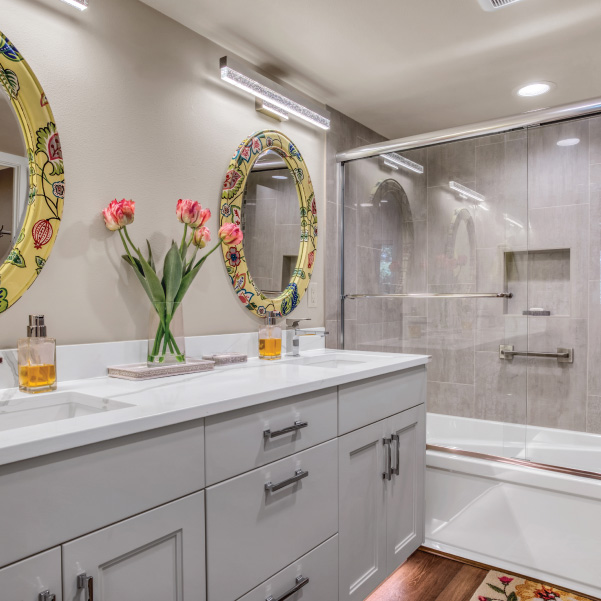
(180, 267)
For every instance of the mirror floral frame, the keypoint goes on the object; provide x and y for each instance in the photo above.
(232, 196)
(46, 176)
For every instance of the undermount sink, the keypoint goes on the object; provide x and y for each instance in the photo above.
(52, 407)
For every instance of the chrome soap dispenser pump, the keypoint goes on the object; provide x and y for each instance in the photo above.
(37, 358)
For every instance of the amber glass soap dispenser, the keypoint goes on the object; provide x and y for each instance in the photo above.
(37, 358)
(270, 339)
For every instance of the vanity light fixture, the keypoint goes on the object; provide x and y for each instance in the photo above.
(288, 101)
(397, 159)
(279, 177)
(271, 110)
(466, 192)
(535, 89)
(78, 4)
(391, 165)
(568, 142)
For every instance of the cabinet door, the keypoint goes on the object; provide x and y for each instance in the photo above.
(362, 524)
(405, 492)
(24, 581)
(155, 555)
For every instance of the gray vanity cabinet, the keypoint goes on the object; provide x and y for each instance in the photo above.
(37, 578)
(158, 554)
(362, 511)
(381, 488)
(405, 491)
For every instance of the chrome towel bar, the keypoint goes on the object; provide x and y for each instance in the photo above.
(433, 295)
(563, 355)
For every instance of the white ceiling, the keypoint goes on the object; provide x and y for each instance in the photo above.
(404, 67)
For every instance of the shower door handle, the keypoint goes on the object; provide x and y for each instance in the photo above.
(387, 474)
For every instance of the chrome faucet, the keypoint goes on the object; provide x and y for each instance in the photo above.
(292, 327)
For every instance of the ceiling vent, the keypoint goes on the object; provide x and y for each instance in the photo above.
(495, 4)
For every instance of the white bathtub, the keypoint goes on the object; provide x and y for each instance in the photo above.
(539, 523)
(564, 448)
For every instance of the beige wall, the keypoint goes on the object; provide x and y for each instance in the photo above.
(142, 114)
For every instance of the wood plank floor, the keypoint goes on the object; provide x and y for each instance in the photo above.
(428, 577)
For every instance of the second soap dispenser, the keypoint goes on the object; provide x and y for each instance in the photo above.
(37, 358)
(270, 339)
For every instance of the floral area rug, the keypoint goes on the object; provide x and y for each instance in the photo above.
(498, 586)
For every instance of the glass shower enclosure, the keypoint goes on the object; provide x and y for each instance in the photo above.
(484, 253)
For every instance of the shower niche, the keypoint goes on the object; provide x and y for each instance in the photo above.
(539, 281)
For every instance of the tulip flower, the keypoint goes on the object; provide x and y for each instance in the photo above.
(187, 211)
(203, 216)
(230, 234)
(119, 214)
(202, 235)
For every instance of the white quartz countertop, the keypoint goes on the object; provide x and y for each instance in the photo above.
(173, 400)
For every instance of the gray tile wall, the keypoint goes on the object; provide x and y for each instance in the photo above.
(539, 197)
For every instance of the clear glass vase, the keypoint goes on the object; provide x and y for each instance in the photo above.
(166, 343)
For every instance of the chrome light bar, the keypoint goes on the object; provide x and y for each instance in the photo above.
(465, 191)
(289, 101)
(78, 4)
(397, 159)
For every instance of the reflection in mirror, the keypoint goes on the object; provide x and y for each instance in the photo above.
(14, 169)
(461, 248)
(395, 222)
(271, 223)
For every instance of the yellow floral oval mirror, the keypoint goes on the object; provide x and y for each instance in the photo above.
(268, 193)
(32, 186)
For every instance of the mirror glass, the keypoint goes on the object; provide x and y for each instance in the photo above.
(14, 174)
(271, 222)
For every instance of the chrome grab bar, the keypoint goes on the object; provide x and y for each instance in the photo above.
(300, 582)
(563, 355)
(432, 295)
(298, 475)
(297, 426)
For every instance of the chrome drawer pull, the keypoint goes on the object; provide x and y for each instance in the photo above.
(86, 583)
(300, 582)
(298, 475)
(297, 426)
(396, 438)
(387, 474)
(46, 596)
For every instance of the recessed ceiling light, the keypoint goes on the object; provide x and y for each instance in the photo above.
(535, 89)
(568, 142)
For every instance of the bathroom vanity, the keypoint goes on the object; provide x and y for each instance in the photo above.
(249, 482)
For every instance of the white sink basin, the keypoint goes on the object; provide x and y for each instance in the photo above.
(52, 407)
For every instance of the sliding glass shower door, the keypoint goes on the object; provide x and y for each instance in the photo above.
(447, 224)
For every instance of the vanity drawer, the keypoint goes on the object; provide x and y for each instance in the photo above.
(48, 500)
(236, 442)
(368, 401)
(319, 568)
(253, 533)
